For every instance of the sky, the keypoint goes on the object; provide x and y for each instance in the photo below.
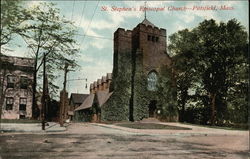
(98, 20)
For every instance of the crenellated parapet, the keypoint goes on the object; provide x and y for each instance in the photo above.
(101, 84)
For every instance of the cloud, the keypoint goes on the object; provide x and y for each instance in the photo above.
(92, 72)
(85, 58)
(179, 26)
(187, 18)
(14, 49)
(33, 4)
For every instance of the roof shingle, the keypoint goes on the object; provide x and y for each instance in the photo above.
(78, 98)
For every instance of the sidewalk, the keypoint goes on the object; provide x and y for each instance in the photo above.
(195, 130)
(31, 127)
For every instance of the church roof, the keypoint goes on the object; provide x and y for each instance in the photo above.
(78, 98)
(87, 103)
(103, 96)
(147, 22)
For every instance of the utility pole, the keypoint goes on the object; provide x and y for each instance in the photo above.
(44, 92)
(2, 76)
(62, 110)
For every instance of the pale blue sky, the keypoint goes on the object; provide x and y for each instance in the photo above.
(96, 54)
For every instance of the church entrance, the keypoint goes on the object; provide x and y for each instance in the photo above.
(152, 108)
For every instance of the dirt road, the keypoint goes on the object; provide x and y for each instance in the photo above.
(98, 141)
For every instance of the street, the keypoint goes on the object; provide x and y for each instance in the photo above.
(103, 141)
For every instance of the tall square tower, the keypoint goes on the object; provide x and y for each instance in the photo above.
(142, 76)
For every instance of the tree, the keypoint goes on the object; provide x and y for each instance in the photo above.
(12, 16)
(49, 35)
(183, 47)
(207, 56)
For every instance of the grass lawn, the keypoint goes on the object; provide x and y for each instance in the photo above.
(242, 127)
(21, 121)
(150, 126)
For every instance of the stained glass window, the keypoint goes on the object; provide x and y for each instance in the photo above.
(152, 81)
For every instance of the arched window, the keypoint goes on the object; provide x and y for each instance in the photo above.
(152, 81)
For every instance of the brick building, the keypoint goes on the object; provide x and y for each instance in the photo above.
(143, 83)
(16, 77)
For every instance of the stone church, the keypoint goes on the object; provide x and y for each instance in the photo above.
(143, 82)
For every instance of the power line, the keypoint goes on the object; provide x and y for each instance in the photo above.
(83, 9)
(99, 37)
(73, 10)
(91, 20)
(78, 79)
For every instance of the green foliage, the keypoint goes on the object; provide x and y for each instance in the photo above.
(83, 115)
(151, 126)
(48, 34)
(167, 96)
(117, 106)
(141, 96)
(131, 97)
(211, 65)
(13, 15)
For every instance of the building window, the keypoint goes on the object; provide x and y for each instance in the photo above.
(149, 38)
(22, 116)
(9, 103)
(23, 82)
(23, 103)
(10, 81)
(153, 38)
(152, 81)
(157, 39)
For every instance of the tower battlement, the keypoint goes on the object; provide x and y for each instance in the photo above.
(122, 32)
(151, 29)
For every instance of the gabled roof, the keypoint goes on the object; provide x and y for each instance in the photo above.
(78, 98)
(103, 96)
(147, 22)
(87, 103)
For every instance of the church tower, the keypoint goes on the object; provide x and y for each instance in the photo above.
(152, 42)
(141, 75)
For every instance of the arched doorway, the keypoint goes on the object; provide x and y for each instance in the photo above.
(152, 108)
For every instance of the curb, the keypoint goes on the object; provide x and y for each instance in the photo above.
(53, 127)
(177, 134)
